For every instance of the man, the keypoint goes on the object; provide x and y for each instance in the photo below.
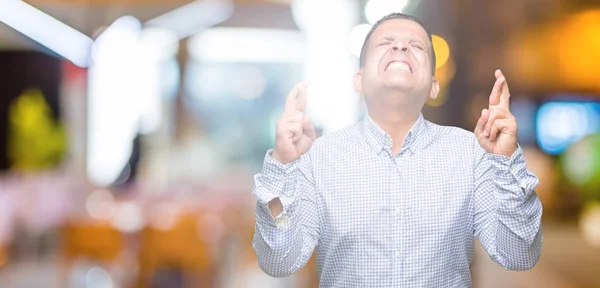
(396, 201)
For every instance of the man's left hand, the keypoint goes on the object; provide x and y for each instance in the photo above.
(496, 129)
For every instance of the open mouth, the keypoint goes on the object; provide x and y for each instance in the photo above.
(396, 65)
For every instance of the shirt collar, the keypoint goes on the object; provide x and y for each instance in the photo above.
(379, 140)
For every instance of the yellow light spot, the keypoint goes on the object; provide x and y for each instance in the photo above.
(578, 55)
(442, 50)
(543, 58)
(444, 75)
(35, 139)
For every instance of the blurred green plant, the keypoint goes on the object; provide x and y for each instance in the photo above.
(36, 141)
(581, 166)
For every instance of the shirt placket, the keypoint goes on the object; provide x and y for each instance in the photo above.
(404, 169)
(388, 233)
(396, 217)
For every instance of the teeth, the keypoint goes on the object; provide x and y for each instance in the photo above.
(398, 66)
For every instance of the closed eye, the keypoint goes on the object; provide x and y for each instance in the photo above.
(418, 46)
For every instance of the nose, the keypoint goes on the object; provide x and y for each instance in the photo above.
(403, 49)
(399, 45)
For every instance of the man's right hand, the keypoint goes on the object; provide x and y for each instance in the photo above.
(295, 133)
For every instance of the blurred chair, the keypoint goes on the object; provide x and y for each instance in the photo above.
(3, 256)
(180, 247)
(91, 240)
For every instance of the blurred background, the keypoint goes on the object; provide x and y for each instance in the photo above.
(130, 129)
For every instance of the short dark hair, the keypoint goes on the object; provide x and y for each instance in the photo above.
(397, 16)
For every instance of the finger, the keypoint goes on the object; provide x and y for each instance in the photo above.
(496, 91)
(488, 125)
(505, 96)
(308, 138)
(286, 126)
(296, 131)
(301, 104)
(494, 114)
(485, 113)
(296, 138)
(309, 128)
(498, 126)
(290, 127)
(498, 73)
(294, 117)
(291, 101)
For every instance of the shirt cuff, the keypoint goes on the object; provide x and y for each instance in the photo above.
(513, 169)
(276, 180)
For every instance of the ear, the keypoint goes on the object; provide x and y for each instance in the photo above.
(357, 81)
(435, 88)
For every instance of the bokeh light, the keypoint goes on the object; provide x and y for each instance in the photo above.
(251, 85)
(128, 217)
(100, 204)
(377, 9)
(559, 124)
(97, 277)
(442, 50)
(357, 38)
(164, 216)
(589, 223)
(581, 166)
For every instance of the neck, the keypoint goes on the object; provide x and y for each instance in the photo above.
(395, 123)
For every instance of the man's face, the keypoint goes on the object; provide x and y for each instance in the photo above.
(397, 59)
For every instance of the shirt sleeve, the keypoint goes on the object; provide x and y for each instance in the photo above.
(284, 244)
(507, 212)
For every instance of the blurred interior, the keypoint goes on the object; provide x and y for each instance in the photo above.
(130, 130)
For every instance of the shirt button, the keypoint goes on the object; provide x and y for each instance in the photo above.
(397, 255)
(397, 211)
